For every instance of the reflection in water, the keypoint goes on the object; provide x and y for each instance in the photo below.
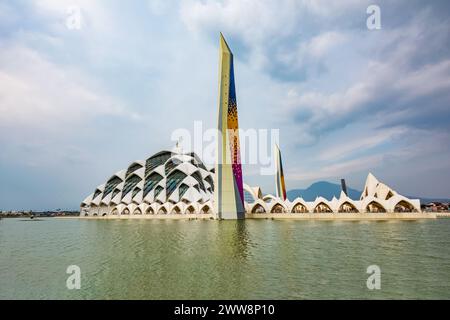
(252, 259)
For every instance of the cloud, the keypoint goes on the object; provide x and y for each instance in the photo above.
(37, 93)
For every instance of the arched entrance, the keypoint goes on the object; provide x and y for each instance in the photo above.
(162, 211)
(322, 208)
(190, 210)
(176, 210)
(375, 207)
(278, 208)
(206, 210)
(404, 206)
(299, 208)
(347, 207)
(259, 209)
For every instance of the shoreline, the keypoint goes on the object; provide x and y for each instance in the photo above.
(289, 216)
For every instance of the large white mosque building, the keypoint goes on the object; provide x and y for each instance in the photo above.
(172, 184)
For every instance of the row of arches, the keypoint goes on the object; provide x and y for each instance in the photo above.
(162, 210)
(322, 207)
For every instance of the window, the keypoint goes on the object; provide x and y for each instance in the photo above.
(171, 165)
(150, 182)
(173, 180)
(156, 161)
(135, 192)
(130, 183)
(197, 176)
(158, 190)
(210, 181)
(115, 193)
(96, 194)
(111, 185)
(183, 188)
(132, 169)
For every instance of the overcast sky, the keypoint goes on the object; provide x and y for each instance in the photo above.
(77, 105)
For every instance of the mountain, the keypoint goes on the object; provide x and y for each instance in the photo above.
(329, 190)
(325, 189)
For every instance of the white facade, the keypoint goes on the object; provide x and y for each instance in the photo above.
(166, 183)
(174, 184)
(376, 198)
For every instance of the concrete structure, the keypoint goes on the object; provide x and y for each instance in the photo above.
(377, 198)
(229, 198)
(173, 185)
(166, 183)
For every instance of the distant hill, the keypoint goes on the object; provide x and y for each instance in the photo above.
(329, 190)
(325, 189)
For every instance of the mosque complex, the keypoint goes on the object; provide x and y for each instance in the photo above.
(176, 185)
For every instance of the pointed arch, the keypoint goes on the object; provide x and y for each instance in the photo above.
(375, 207)
(190, 210)
(322, 207)
(299, 208)
(176, 210)
(206, 210)
(258, 208)
(348, 207)
(278, 208)
(137, 212)
(162, 211)
(404, 206)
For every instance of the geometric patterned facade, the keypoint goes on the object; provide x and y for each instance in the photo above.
(166, 182)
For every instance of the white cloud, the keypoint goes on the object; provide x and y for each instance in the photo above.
(37, 93)
(340, 150)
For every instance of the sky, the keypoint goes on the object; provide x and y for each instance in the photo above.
(78, 104)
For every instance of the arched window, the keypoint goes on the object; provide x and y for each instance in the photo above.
(404, 206)
(150, 182)
(190, 210)
(278, 208)
(132, 168)
(171, 164)
(162, 211)
(173, 181)
(156, 161)
(206, 210)
(126, 212)
(322, 208)
(197, 176)
(176, 210)
(130, 183)
(347, 207)
(111, 185)
(259, 209)
(150, 211)
(137, 212)
(375, 207)
(299, 208)
(182, 190)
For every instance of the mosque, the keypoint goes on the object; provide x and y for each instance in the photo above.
(172, 184)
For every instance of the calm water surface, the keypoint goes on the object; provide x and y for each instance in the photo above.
(224, 260)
